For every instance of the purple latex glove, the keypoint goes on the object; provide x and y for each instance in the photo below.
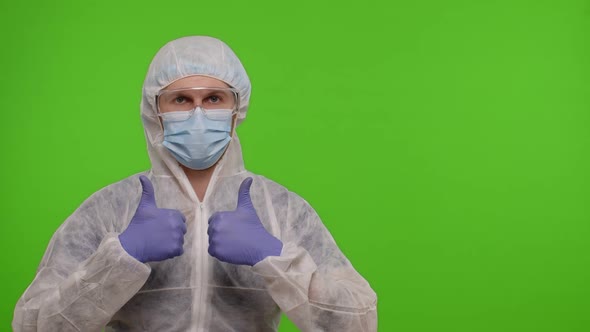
(153, 234)
(238, 236)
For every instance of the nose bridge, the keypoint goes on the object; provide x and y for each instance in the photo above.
(198, 96)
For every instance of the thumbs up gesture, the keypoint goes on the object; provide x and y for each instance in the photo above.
(153, 234)
(238, 236)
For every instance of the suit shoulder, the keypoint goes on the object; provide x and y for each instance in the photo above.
(120, 189)
(280, 193)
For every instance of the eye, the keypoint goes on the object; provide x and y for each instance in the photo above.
(214, 99)
(179, 100)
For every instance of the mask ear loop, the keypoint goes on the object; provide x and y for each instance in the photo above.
(158, 114)
(234, 116)
(234, 124)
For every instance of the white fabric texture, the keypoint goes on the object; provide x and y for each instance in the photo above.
(87, 281)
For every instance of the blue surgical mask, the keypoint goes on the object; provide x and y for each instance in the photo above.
(198, 141)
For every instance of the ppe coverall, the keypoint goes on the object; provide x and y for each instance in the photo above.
(87, 281)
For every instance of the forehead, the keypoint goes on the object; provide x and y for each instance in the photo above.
(196, 81)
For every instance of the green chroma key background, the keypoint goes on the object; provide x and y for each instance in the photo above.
(445, 144)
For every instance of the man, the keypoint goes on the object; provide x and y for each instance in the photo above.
(197, 243)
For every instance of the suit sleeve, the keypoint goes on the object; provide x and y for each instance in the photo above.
(85, 275)
(312, 281)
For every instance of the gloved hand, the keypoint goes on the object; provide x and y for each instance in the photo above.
(238, 236)
(153, 234)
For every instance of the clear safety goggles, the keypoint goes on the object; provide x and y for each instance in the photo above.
(180, 104)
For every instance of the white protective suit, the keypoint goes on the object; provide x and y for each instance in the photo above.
(87, 281)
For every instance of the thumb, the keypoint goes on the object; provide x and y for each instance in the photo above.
(147, 192)
(244, 194)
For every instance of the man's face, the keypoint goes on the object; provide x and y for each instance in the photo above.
(197, 81)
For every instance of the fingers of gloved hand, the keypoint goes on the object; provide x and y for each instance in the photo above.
(177, 218)
(240, 243)
(170, 251)
(213, 217)
(219, 215)
(218, 250)
(210, 231)
(177, 230)
(178, 250)
(148, 197)
(244, 199)
(218, 224)
(166, 245)
(155, 234)
(212, 249)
